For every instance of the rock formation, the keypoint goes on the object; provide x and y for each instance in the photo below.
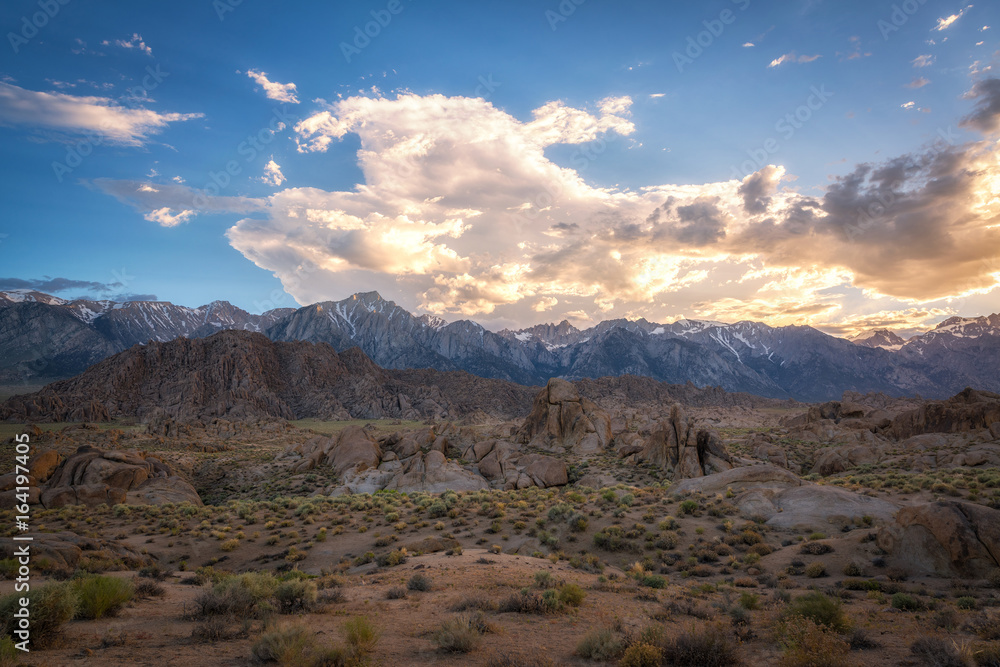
(969, 410)
(947, 538)
(93, 477)
(562, 420)
(681, 449)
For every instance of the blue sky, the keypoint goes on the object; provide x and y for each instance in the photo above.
(646, 152)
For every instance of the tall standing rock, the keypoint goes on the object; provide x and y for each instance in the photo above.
(561, 418)
(679, 448)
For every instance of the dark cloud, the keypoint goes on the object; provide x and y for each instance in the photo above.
(700, 223)
(50, 285)
(135, 297)
(757, 189)
(986, 116)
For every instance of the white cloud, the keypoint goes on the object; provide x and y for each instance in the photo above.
(166, 218)
(945, 23)
(272, 174)
(136, 42)
(792, 58)
(280, 92)
(748, 45)
(919, 82)
(657, 95)
(923, 61)
(79, 115)
(461, 212)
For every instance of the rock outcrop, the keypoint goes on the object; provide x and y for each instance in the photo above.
(946, 538)
(683, 450)
(782, 499)
(93, 477)
(562, 420)
(969, 410)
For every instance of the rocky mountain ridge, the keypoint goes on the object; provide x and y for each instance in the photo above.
(48, 338)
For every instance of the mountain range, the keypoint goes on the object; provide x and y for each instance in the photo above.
(44, 338)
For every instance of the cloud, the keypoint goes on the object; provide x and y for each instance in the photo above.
(748, 45)
(151, 198)
(280, 92)
(945, 23)
(923, 61)
(792, 58)
(461, 211)
(83, 115)
(272, 174)
(986, 116)
(919, 82)
(49, 285)
(135, 42)
(165, 217)
(657, 95)
(905, 322)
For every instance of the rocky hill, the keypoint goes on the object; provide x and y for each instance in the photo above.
(238, 375)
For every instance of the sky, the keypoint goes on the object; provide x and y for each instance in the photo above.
(808, 162)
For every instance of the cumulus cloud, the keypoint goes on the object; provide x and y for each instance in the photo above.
(461, 206)
(272, 174)
(165, 217)
(83, 115)
(923, 61)
(279, 92)
(461, 211)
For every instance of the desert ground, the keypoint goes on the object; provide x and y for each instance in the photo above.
(858, 532)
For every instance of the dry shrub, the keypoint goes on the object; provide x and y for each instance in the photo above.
(808, 644)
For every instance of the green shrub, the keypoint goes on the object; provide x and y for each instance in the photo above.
(419, 582)
(816, 570)
(749, 601)
(295, 595)
(99, 596)
(361, 635)
(653, 581)
(50, 606)
(544, 579)
(688, 507)
(601, 645)
(571, 595)
(461, 635)
(642, 655)
(966, 602)
(905, 602)
(820, 609)
(709, 646)
(807, 644)
(8, 652)
(296, 646)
